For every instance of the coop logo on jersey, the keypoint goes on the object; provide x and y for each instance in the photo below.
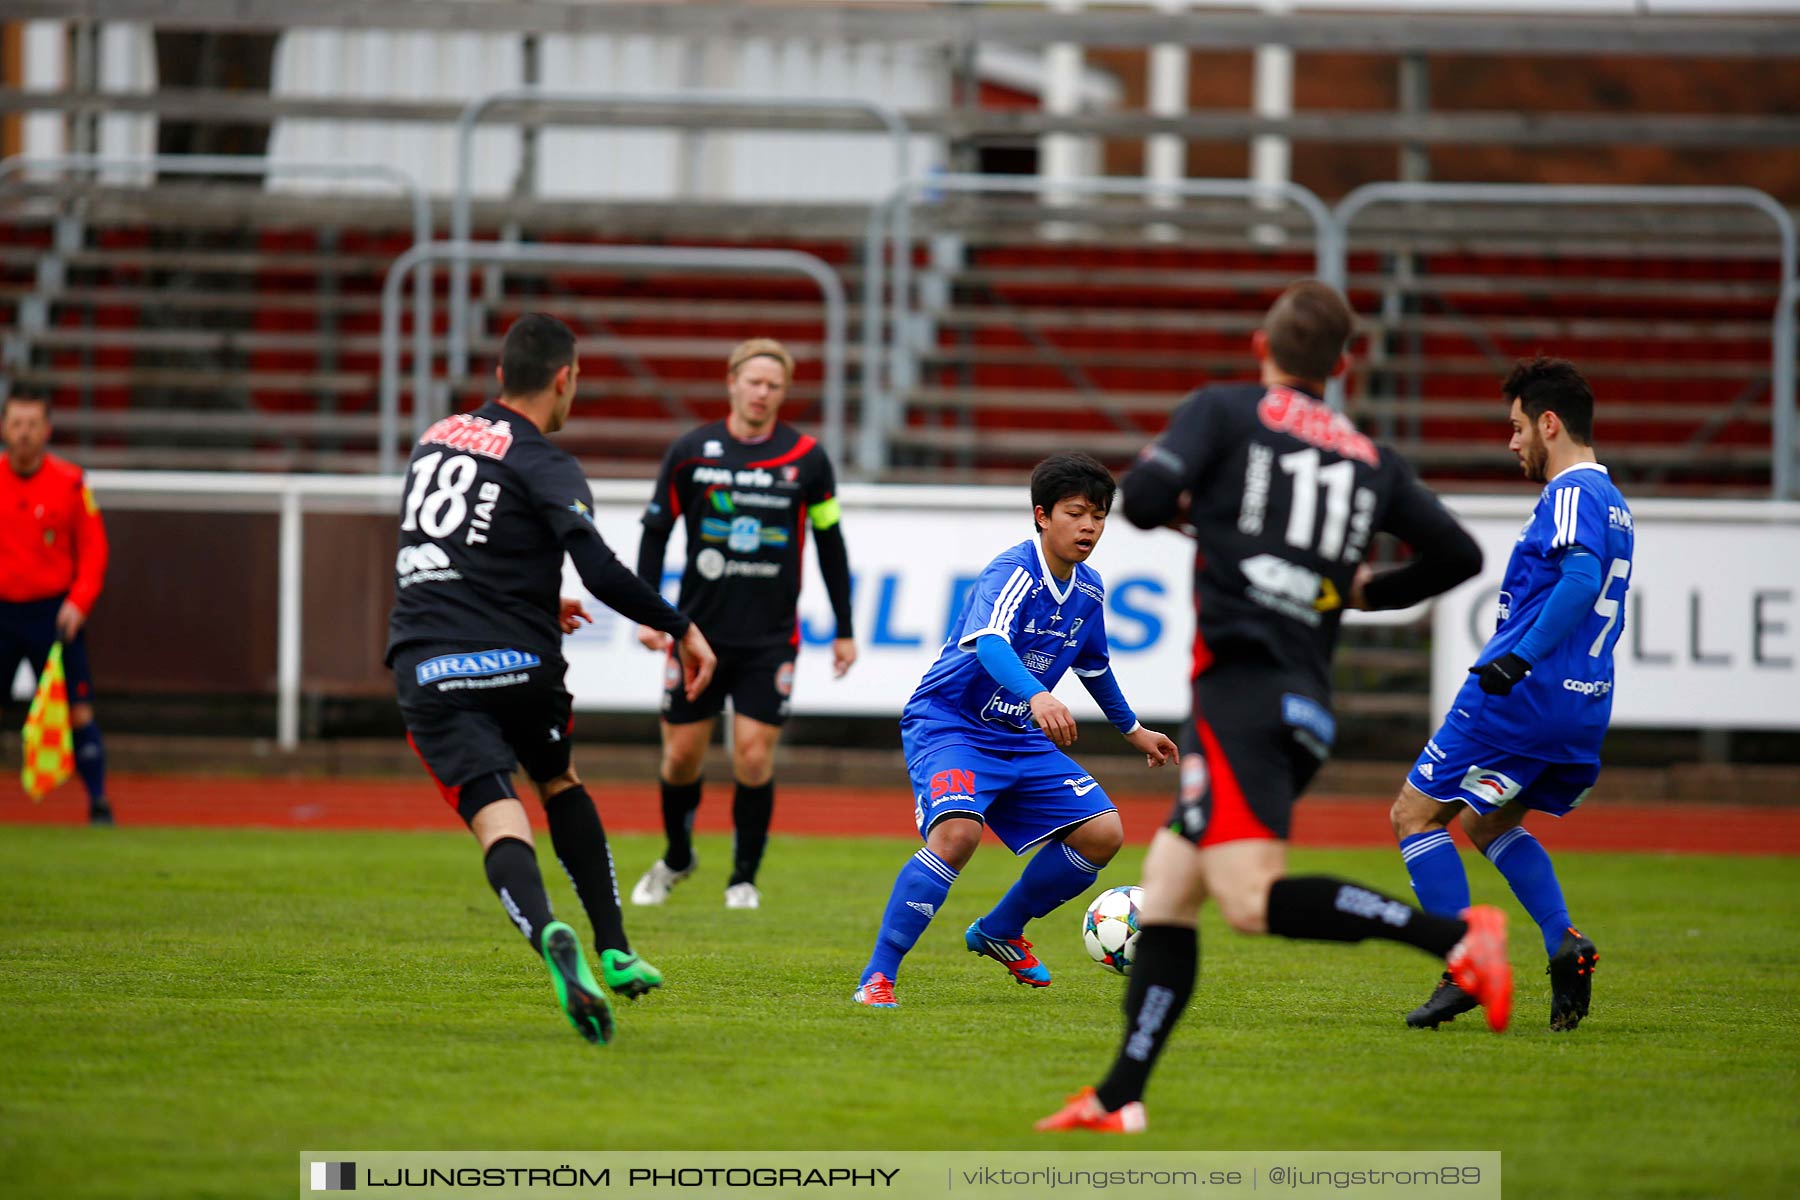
(424, 563)
(477, 435)
(1588, 687)
(475, 664)
(1489, 785)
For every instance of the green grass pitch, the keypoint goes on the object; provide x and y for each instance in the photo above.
(184, 1011)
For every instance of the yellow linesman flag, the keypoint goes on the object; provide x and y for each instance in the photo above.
(49, 743)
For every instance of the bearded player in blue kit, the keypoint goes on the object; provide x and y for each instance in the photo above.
(984, 737)
(1524, 732)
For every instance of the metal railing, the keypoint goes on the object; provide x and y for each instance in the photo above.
(220, 164)
(553, 255)
(463, 201)
(891, 220)
(1783, 452)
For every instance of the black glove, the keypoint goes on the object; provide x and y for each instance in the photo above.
(1502, 675)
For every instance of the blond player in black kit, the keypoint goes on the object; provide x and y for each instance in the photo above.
(489, 510)
(747, 491)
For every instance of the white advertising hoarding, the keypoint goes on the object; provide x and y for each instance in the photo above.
(914, 552)
(1712, 617)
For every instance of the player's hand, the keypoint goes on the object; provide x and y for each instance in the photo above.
(698, 662)
(843, 656)
(654, 639)
(1500, 676)
(571, 614)
(1358, 597)
(69, 619)
(1054, 718)
(1156, 747)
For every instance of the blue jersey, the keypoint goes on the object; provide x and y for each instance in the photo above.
(1559, 712)
(1053, 626)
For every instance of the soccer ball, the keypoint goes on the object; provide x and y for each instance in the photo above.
(1109, 928)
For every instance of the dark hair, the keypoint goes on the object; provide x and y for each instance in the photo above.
(1544, 384)
(536, 348)
(42, 398)
(1307, 328)
(1063, 475)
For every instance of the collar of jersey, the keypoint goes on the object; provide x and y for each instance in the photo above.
(1062, 595)
(1580, 466)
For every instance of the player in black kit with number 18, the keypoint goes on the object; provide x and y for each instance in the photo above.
(475, 641)
(1283, 496)
(746, 490)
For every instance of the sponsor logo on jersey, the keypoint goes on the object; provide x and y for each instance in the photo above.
(1426, 770)
(1082, 786)
(1036, 660)
(672, 674)
(1503, 606)
(713, 449)
(784, 679)
(790, 473)
(752, 569)
(580, 509)
(1435, 751)
(753, 477)
(424, 563)
(1296, 413)
(745, 536)
(710, 563)
(1490, 785)
(477, 435)
(1074, 632)
(1016, 713)
(760, 500)
(742, 534)
(1618, 517)
(474, 664)
(1093, 593)
(955, 786)
(1588, 687)
(1287, 588)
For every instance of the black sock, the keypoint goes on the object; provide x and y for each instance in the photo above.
(751, 810)
(580, 844)
(1162, 980)
(679, 803)
(512, 869)
(1323, 908)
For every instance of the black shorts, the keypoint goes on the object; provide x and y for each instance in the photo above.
(1257, 737)
(473, 714)
(758, 681)
(27, 631)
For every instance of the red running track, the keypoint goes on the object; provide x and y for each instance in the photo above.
(840, 812)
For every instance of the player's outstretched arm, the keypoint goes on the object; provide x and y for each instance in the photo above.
(1156, 748)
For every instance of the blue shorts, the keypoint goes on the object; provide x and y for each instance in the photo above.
(1024, 797)
(1454, 766)
(27, 631)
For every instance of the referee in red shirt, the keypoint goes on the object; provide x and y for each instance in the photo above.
(52, 562)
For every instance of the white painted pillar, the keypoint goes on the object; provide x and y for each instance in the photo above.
(1165, 154)
(1059, 154)
(1271, 155)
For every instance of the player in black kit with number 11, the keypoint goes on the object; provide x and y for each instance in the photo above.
(746, 490)
(475, 641)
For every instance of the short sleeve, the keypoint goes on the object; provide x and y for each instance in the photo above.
(999, 595)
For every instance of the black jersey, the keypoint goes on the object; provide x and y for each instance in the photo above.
(489, 509)
(1284, 496)
(746, 508)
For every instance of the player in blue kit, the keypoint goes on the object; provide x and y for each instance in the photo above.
(1523, 735)
(984, 737)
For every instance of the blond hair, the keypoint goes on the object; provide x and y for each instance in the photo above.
(760, 348)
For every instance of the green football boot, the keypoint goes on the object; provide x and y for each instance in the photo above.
(627, 974)
(576, 988)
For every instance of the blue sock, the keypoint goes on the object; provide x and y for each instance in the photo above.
(919, 891)
(1526, 865)
(1436, 869)
(90, 760)
(1054, 876)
